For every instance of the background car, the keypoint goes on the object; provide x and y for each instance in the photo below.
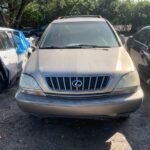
(10, 64)
(138, 47)
(34, 31)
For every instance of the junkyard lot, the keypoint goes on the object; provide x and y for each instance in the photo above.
(18, 131)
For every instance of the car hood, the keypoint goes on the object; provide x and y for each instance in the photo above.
(80, 61)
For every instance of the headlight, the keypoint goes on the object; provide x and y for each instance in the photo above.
(129, 82)
(29, 85)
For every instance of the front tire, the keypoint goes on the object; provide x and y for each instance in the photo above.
(3, 85)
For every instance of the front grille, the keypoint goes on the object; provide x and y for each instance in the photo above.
(78, 84)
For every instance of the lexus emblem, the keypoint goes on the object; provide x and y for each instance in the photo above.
(77, 83)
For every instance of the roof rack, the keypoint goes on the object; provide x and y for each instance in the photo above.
(77, 16)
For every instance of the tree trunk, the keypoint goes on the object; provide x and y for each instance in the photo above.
(18, 18)
(58, 8)
(2, 20)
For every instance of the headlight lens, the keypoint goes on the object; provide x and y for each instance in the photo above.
(129, 82)
(29, 85)
(27, 82)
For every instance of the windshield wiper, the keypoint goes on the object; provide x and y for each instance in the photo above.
(86, 45)
(51, 47)
(75, 46)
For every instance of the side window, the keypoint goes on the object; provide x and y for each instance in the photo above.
(2, 47)
(5, 41)
(148, 37)
(12, 40)
(142, 36)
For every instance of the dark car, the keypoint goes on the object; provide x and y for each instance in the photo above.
(138, 46)
(27, 31)
(34, 31)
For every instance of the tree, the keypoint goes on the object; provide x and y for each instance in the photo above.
(32, 15)
(12, 11)
(141, 15)
(3, 7)
(19, 14)
(107, 9)
(119, 12)
(125, 12)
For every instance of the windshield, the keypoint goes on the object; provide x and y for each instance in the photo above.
(79, 34)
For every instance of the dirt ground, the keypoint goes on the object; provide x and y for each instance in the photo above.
(18, 131)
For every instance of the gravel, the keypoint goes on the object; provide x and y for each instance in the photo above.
(19, 131)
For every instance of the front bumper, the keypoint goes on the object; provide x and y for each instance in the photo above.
(102, 106)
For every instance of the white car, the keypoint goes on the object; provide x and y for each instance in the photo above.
(10, 62)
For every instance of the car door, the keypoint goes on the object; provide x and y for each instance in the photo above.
(8, 55)
(144, 67)
(137, 47)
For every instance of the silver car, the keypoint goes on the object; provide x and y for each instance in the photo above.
(80, 69)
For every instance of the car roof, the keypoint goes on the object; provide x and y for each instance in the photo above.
(78, 19)
(6, 29)
(146, 27)
(9, 29)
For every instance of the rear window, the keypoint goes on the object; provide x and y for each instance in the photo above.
(84, 33)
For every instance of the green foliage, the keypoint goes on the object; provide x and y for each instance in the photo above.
(41, 12)
(125, 12)
(12, 10)
(32, 15)
(141, 14)
(107, 8)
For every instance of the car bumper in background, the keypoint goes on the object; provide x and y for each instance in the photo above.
(102, 106)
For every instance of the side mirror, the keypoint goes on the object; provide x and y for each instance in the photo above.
(123, 39)
(34, 41)
(131, 36)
